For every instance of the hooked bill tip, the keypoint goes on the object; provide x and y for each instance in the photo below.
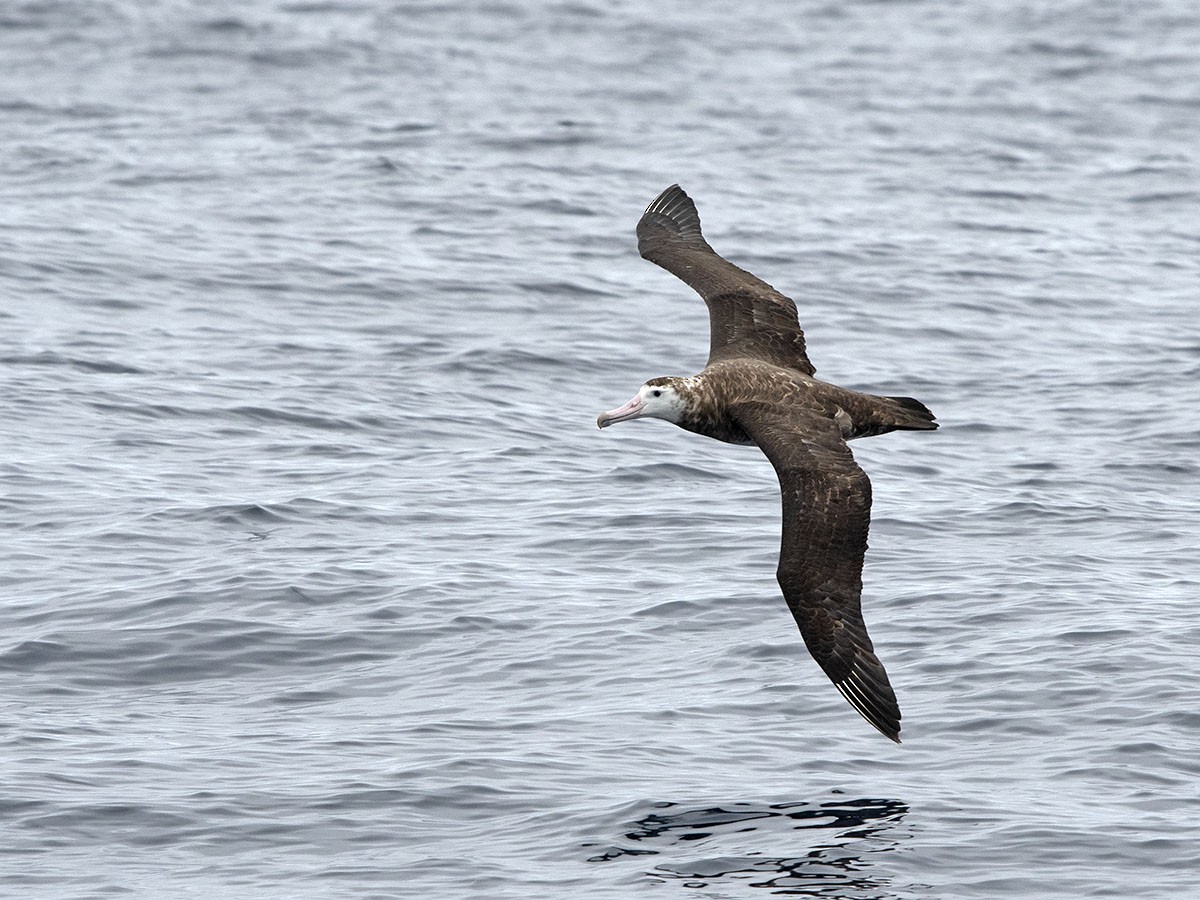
(630, 410)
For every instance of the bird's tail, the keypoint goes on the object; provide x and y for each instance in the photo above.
(909, 414)
(883, 414)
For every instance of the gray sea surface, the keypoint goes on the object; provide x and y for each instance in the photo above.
(320, 582)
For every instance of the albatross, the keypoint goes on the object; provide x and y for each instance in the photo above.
(758, 388)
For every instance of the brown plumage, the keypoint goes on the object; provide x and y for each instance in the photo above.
(758, 388)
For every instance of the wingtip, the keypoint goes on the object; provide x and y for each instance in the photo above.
(875, 703)
(889, 730)
(671, 216)
(671, 193)
(674, 204)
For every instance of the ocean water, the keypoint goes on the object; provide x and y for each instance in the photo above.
(320, 582)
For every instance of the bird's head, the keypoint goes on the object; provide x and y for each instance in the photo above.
(658, 398)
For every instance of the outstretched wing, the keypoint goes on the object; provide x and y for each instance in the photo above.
(826, 515)
(747, 317)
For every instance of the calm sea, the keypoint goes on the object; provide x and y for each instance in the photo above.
(320, 582)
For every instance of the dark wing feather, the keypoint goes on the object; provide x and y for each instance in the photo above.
(747, 317)
(826, 515)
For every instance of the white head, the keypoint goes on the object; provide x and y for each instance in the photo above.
(658, 398)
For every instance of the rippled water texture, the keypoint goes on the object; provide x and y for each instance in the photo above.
(320, 581)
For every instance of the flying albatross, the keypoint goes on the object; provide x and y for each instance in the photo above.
(758, 388)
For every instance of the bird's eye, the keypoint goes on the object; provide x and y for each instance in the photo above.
(656, 393)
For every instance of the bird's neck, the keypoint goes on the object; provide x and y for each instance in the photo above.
(707, 411)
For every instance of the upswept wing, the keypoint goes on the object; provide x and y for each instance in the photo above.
(747, 317)
(826, 516)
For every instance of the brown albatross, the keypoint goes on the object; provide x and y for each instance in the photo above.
(758, 388)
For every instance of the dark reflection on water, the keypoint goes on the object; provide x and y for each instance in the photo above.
(744, 843)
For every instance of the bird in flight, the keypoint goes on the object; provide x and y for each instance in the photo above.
(758, 388)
